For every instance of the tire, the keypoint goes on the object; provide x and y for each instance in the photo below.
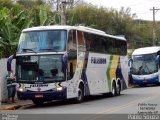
(80, 96)
(38, 102)
(118, 89)
(114, 90)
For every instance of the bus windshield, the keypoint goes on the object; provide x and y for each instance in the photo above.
(144, 64)
(42, 41)
(43, 68)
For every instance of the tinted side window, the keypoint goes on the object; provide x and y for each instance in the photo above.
(98, 43)
(103, 44)
(89, 41)
(110, 45)
(71, 45)
(121, 47)
(81, 41)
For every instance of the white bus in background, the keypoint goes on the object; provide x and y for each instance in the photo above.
(146, 66)
(62, 62)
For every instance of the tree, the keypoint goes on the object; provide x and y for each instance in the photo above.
(23, 14)
(12, 21)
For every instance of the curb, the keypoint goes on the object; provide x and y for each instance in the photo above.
(13, 107)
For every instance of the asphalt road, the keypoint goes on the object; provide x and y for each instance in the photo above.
(131, 101)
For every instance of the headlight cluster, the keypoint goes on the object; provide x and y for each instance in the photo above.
(21, 89)
(58, 89)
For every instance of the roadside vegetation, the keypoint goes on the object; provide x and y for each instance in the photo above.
(28, 13)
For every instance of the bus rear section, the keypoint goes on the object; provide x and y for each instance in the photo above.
(145, 66)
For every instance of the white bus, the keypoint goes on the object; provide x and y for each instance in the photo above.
(146, 66)
(62, 62)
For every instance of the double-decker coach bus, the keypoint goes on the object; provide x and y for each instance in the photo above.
(62, 62)
(146, 66)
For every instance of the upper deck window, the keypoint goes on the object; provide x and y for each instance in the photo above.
(42, 41)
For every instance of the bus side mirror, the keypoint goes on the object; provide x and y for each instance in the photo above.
(130, 61)
(64, 62)
(158, 58)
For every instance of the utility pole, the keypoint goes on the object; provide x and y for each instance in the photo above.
(154, 24)
(63, 11)
(57, 5)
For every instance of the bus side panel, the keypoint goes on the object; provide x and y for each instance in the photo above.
(96, 73)
(117, 70)
(112, 70)
(101, 74)
(72, 83)
(124, 71)
(80, 75)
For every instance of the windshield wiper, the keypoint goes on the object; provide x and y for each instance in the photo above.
(47, 49)
(25, 49)
(53, 50)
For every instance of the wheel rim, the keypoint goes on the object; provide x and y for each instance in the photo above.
(118, 89)
(113, 90)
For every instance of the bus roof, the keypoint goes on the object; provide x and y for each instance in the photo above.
(146, 50)
(66, 27)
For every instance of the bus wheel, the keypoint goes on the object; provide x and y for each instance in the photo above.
(113, 92)
(80, 96)
(38, 102)
(118, 88)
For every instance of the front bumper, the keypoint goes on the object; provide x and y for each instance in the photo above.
(44, 95)
(153, 80)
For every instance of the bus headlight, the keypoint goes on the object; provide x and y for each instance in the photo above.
(59, 88)
(21, 89)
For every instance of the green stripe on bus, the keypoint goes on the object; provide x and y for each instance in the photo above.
(108, 72)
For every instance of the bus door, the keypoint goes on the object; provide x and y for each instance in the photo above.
(82, 60)
(72, 63)
(81, 50)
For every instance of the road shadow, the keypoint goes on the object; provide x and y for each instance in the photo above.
(145, 86)
(67, 102)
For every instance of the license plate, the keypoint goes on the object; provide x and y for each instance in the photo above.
(39, 96)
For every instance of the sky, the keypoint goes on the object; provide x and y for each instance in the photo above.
(140, 7)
